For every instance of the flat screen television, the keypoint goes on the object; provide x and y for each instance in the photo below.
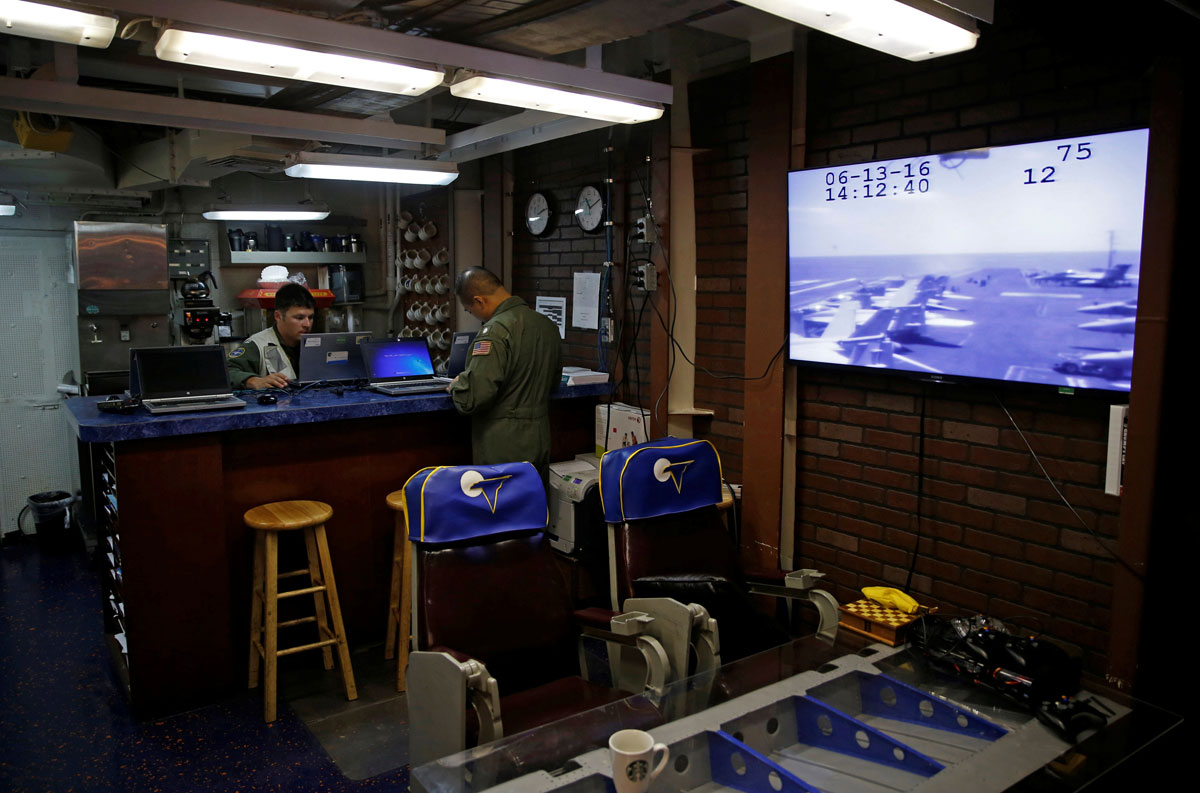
(1016, 263)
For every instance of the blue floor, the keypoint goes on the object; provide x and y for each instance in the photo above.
(65, 725)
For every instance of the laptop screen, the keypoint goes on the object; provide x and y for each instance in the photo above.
(397, 359)
(332, 356)
(166, 372)
(459, 349)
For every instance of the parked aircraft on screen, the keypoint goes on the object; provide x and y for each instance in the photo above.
(1114, 365)
(845, 340)
(1121, 325)
(1119, 308)
(1109, 278)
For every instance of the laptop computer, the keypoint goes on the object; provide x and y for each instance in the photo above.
(401, 366)
(179, 379)
(332, 357)
(460, 348)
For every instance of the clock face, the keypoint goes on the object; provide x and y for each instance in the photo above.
(589, 208)
(537, 214)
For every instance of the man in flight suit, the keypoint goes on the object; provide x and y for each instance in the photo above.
(514, 364)
(271, 357)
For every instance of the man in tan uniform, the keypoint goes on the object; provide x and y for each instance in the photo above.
(271, 357)
(514, 365)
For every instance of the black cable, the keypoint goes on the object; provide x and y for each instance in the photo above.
(1111, 552)
(712, 374)
(916, 551)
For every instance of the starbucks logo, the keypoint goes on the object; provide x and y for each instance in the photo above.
(636, 771)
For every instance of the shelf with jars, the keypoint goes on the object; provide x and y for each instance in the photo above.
(260, 244)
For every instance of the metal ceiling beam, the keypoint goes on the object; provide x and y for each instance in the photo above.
(514, 132)
(235, 18)
(42, 96)
(502, 126)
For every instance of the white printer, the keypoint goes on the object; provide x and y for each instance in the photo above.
(574, 496)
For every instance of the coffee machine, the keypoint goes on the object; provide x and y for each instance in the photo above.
(196, 315)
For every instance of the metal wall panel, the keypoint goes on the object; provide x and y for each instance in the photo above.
(37, 349)
(121, 255)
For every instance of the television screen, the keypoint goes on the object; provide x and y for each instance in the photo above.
(1014, 263)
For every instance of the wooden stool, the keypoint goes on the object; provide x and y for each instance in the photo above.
(267, 521)
(399, 627)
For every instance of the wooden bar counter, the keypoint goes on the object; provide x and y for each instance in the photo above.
(182, 483)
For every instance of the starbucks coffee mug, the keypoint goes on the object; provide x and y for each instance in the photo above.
(632, 753)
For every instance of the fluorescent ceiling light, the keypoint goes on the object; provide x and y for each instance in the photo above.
(897, 27)
(294, 63)
(8, 205)
(266, 212)
(554, 100)
(356, 168)
(51, 23)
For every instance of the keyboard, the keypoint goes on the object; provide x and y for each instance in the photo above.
(412, 386)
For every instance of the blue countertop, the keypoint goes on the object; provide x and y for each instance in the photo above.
(92, 426)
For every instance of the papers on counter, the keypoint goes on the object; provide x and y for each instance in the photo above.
(577, 375)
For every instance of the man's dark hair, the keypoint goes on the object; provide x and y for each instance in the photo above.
(291, 295)
(475, 281)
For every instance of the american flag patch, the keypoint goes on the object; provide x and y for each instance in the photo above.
(481, 348)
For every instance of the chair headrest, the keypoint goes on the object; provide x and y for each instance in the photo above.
(659, 477)
(462, 502)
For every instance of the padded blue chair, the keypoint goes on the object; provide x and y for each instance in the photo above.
(497, 640)
(668, 539)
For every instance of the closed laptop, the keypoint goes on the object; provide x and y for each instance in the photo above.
(178, 379)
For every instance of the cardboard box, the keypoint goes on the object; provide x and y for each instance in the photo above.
(627, 426)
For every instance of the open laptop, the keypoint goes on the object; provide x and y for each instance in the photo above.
(332, 357)
(460, 348)
(179, 379)
(401, 366)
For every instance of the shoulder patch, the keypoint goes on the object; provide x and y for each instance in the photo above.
(482, 348)
(237, 352)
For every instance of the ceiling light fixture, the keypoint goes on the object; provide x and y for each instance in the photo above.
(8, 205)
(52, 23)
(266, 212)
(915, 30)
(279, 60)
(356, 168)
(533, 96)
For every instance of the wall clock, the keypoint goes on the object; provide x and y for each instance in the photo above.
(539, 211)
(589, 208)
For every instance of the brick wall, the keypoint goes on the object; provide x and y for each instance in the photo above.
(996, 538)
(719, 111)
(547, 265)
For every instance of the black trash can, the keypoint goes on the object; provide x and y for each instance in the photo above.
(52, 516)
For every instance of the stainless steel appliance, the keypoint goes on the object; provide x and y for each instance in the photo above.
(124, 300)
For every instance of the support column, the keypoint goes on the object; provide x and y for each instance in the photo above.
(769, 129)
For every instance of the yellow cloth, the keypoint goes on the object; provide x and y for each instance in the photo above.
(889, 596)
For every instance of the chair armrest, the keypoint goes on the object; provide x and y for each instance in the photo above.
(441, 687)
(461, 657)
